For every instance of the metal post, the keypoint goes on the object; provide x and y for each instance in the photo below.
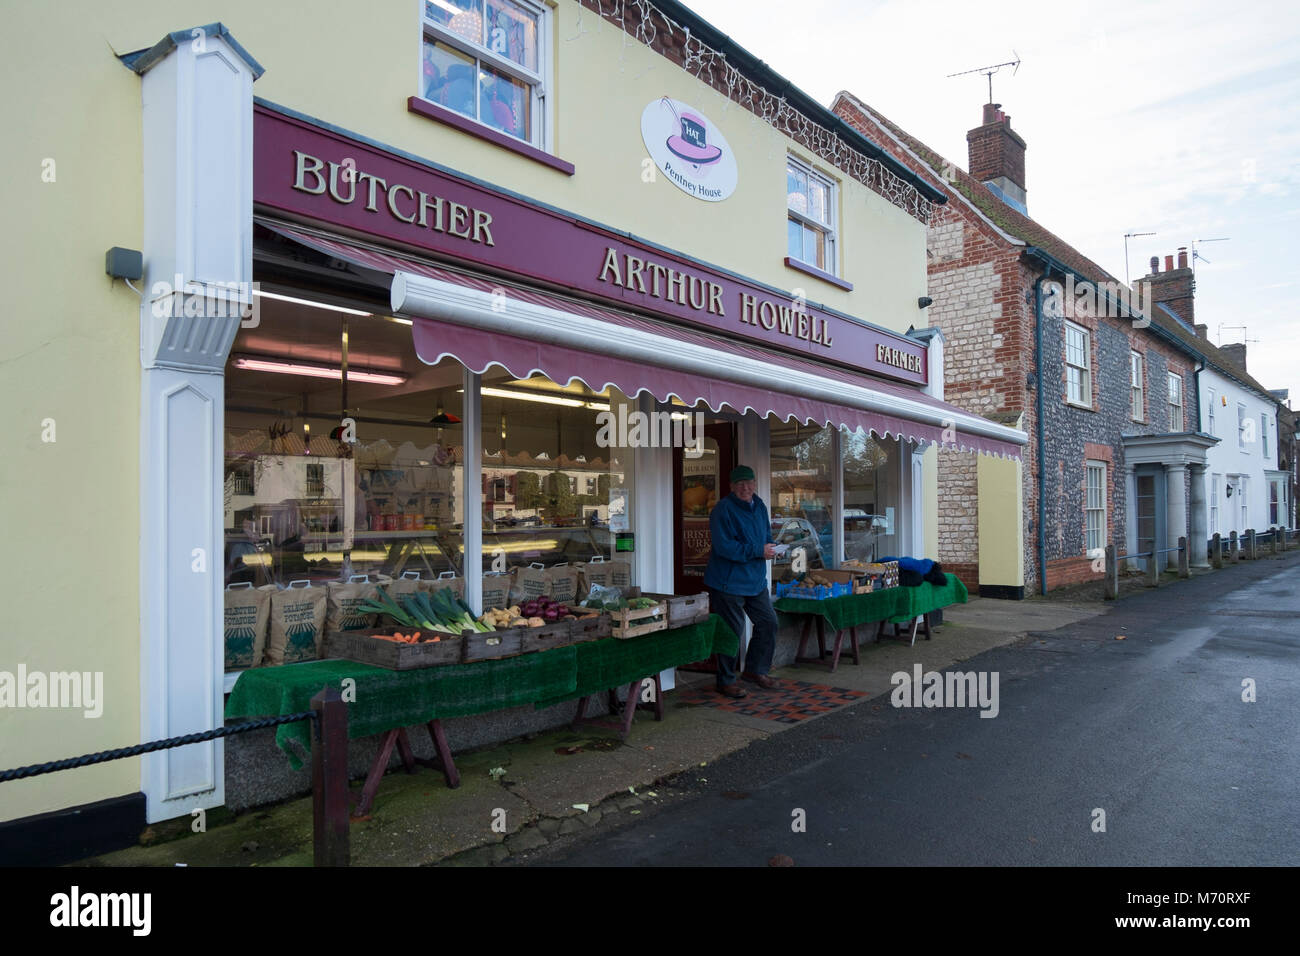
(1112, 574)
(1184, 568)
(1234, 547)
(1152, 579)
(1216, 551)
(329, 779)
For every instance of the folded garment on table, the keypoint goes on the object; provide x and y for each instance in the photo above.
(912, 571)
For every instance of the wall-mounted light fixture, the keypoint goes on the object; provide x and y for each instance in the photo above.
(924, 302)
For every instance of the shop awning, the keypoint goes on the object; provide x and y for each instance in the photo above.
(483, 322)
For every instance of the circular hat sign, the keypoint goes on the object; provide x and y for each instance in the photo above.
(690, 150)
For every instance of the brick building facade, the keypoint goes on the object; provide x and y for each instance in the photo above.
(995, 275)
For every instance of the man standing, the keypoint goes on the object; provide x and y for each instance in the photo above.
(737, 579)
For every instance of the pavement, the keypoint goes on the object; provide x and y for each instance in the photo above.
(524, 794)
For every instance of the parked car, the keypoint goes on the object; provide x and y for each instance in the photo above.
(797, 533)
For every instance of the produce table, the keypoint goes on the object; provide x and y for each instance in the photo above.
(897, 605)
(609, 664)
(387, 701)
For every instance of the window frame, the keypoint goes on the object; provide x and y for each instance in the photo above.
(1263, 433)
(1137, 389)
(1180, 404)
(1085, 401)
(1242, 418)
(1091, 466)
(829, 229)
(1212, 424)
(540, 134)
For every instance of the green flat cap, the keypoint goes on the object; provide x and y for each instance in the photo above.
(742, 473)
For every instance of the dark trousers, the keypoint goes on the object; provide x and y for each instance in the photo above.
(733, 608)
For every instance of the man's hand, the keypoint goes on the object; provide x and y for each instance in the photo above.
(769, 552)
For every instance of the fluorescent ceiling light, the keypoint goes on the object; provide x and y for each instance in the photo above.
(315, 305)
(255, 364)
(543, 399)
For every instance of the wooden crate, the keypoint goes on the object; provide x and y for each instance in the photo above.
(554, 634)
(684, 609)
(491, 645)
(633, 622)
(362, 645)
(589, 626)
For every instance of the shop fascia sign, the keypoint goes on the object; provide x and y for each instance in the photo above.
(320, 176)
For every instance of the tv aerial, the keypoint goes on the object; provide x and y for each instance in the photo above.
(1197, 255)
(990, 70)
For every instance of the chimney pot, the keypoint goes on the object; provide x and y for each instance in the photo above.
(1182, 257)
(1169, 263)
(991, 112)
(1201, 331)
(1155, 265)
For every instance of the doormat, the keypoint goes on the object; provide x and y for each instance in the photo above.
(793, 701)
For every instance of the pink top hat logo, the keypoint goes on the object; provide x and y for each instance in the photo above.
(692, 144)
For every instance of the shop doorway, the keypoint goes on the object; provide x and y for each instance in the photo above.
(699, 483)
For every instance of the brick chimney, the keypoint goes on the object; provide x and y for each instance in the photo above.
(1236, 354)
(1175, 287)
(997, 156)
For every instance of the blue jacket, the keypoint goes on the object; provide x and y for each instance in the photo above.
(739, 532)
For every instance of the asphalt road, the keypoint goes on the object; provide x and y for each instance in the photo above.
(1153, 730)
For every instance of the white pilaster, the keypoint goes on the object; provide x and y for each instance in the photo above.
(197, 120)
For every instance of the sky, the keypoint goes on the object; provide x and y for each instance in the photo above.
(1174, 118)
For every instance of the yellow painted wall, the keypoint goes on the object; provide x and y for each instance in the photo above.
(1001, 521)
(70, 509)
(356, 71)
(930, 478)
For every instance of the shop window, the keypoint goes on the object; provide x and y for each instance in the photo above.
(810, 223)
(1078, 365)
(1175, 402)
(567, 503)
(325, 477)
(1095, 506)
(484, 59)
(871, 512)
(800, 509)
(1137, 403)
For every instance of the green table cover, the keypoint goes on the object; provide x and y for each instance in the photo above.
(927, 597)
(895, 605)
(386, 698)
(614, 662)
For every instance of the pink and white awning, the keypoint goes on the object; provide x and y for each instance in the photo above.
(482, 322)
